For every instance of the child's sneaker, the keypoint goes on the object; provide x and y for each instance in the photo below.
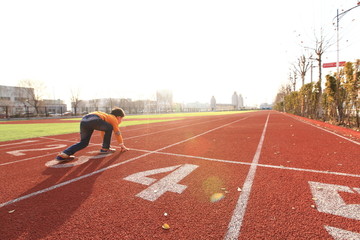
(64, 157)
(107, 150)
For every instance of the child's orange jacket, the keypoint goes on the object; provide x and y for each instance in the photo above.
(114, 123)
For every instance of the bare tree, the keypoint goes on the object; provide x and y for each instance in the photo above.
(301, 67)
(293, 79)
(94, 104)
(31, 92)
(321, 45)
(164, 100)
(75, 100)
(125, 104)
(280, 97)
(111, 103)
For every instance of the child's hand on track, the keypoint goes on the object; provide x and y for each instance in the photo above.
(123, 148)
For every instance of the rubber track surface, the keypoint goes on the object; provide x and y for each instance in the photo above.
(260, 175)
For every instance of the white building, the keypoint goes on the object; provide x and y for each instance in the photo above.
(13, 100)
(237, 101)
(241, 102)
(213, 104)
(164, 100)
(20, 102)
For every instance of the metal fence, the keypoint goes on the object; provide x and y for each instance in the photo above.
(7, 112)
(28, 112)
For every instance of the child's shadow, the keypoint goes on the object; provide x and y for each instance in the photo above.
(54, 200)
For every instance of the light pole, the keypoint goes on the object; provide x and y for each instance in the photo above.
(312, 67)
(337, 33)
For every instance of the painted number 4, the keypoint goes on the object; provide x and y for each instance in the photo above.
(169, 183)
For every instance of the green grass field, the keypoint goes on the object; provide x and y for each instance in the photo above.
(32, 130)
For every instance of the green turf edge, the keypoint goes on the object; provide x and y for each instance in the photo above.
(23, 131)
(173, 115)
(31, 130)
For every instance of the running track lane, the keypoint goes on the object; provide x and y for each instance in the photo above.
(191, 215)
(307, 187)
(31, 173)
(43, 228)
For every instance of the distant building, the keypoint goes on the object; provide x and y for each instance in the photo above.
(213, 104)
(241, 102)
(12, 100)
(265, 106)
(196, 107)
(164, 100)
(106, 104)
(18, 102)
(235, 101)
(50, 106)
(225, 107)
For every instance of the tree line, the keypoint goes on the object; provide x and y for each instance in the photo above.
(338, 103)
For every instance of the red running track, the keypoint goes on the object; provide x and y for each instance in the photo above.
(260, 175)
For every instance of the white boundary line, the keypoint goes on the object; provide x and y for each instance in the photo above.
(109, 167)
(249, 163)
(321, 128)
(239, 211)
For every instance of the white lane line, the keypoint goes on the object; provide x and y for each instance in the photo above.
(98, 144)
(142, 135)
(109, 167)
(250, 163)
(338, 135)
(26, 159)
(239, 212)
(146, 125)
(17, 143)
(174, 128)
(68, 182)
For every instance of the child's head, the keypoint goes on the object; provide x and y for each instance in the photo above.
(118, 112)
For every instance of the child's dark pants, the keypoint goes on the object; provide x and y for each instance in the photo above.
(88, 124)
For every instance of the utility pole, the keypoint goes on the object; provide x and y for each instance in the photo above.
(337, 34)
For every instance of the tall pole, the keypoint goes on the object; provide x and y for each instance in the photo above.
(337, 34)
(337, 44)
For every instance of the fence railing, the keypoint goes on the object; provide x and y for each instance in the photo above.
(7, 112)
(28, 112)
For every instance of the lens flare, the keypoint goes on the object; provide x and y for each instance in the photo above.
(216, 197)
